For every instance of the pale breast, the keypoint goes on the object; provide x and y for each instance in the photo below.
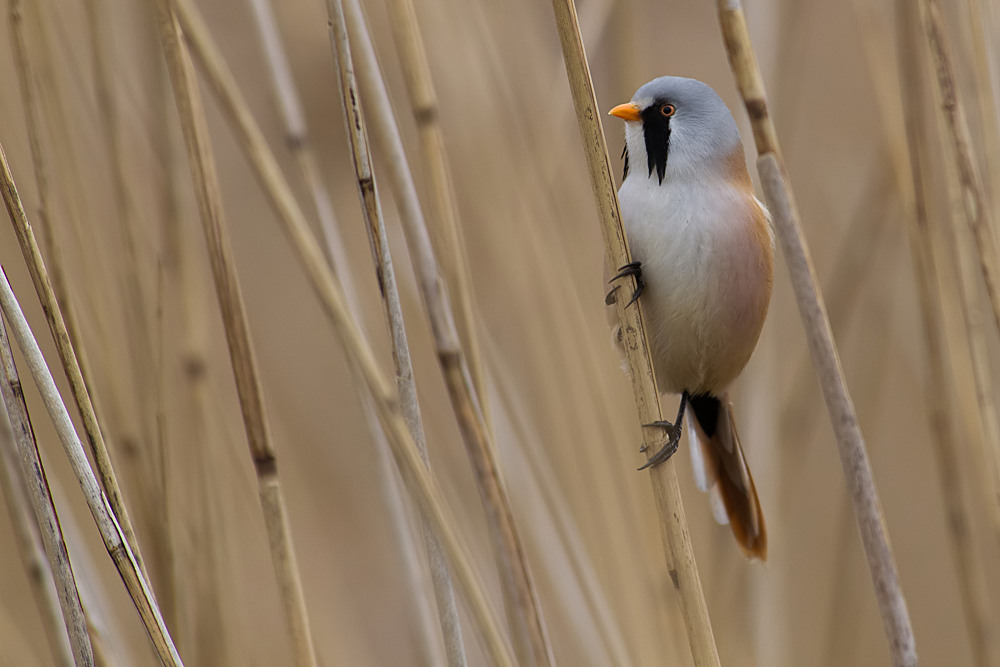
(706, 254)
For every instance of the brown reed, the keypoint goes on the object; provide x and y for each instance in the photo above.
(421, 484)
(39, 535)
(677, 542)
(244, 364)
(851, 446)
(111, 532)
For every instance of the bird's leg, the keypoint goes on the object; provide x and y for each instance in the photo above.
(630, 269)
(673, 430)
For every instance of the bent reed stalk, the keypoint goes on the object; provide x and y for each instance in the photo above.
(97, 501)
(679, 553)
(851, 446)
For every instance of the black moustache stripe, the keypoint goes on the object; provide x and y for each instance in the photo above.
(656, 131)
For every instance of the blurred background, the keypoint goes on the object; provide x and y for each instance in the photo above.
(124, 218)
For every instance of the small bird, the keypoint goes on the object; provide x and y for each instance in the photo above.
(704, 265)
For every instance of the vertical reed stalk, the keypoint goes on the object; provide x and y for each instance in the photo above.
(851, 446)
(36, 526)
(521, 599)
(97, 501)
(987, 103)
(975, 209)
(977, 212)
(444, 207)
(241, 352)
(971, 577)
(421, 484)
(677, 542)
(205, 635)
(54, 316)
(300, 144)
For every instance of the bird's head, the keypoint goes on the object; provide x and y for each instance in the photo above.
(679, 126)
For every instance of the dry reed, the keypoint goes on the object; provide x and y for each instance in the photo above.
(972, 581)
(39, 535)
(97, 501)
(521, 599)
(39, 162)
(679, 554)
(978, 218)
(854, 458)
(64, 345)
(244, 364)
(419, 244)
(406, 387)
(558, 396)
(300, 144)
(446, 230)
(978, 215)
(420, 483)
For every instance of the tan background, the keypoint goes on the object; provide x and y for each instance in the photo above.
(563, 409)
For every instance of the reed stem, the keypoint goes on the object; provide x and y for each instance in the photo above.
(38, 533)
(97, 501)
(851, 446)
(57, 325)
(678, 551)
(447, 232)
(520, 596)
(301, 146)
(977, 212)
(420, 483)
(241, 353)
(406, 386)
(939, 383)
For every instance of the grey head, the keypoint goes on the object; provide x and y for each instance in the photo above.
(678, 125)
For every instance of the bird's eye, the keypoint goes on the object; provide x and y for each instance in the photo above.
(668, 110)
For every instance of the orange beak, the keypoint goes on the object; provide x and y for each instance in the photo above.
(627, 111)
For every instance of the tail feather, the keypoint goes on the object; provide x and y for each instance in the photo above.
(721, 469)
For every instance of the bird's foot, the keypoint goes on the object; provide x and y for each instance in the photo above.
(673, 436)
(630, 269)
(665, 452)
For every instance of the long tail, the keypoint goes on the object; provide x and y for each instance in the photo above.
(721, 469)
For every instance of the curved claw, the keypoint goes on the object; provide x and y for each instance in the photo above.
(665, 453)
(630, 269)
(674, 433)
